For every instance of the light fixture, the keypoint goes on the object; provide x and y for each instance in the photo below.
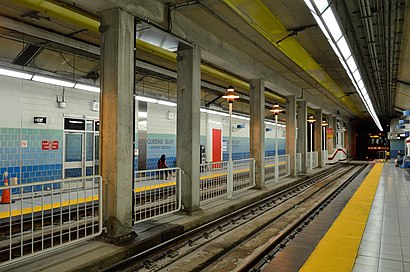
(276, 109)
(87, 88)
(327, 19)
(146, 99)
(53, 81)
(16, 74)
(324, 123)
(311, 119)
(167, 103)
(230, 95)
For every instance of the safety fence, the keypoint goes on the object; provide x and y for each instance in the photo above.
(270, 167)
(243, 174)
(315, 159)
(214, 177)
(44, 216)
(298, 162)
(156, 192)
(324, 156)
(213, 180)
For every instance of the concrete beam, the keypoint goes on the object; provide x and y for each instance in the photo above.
(48, 35)
(216, 51)
(116, 119)
(257, 129)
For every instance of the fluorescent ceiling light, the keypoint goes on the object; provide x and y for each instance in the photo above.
(142, 114)
(356, 75)
(321, 5)
(53, 81)
(240, 117)
(310, 6)
(360, 84)
(332, 24)
(344, 48)
(336, 50)
(167, 103)
(322, 26)
(16, 74)
(87, 87)
(332, 27)
(351, 64)
(146, 99)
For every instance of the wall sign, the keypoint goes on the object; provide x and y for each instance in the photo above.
(329, 132)
(23, 144)
(49, 145)
(40, 120)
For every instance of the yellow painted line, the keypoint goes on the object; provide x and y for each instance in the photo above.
(338, 249)
(154, 186)
(46, 207)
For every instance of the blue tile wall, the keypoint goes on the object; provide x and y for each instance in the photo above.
(30, 164)
(270, 146)
(158, 144)
(395, 146)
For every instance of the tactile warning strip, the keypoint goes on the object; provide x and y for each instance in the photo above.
(337, 250)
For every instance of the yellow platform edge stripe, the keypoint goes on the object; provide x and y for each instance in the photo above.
(337, 250)
(47, 207)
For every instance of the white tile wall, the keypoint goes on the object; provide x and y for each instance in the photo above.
(21, 100)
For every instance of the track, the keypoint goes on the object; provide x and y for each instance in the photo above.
(201, 249)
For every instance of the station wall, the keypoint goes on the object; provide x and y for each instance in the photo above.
(22, 100)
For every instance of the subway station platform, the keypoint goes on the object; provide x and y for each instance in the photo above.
(366, 229)
(96, 254)
(376, 236)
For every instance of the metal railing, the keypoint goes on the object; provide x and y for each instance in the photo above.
(243, 174)
(214, 177)
(298, 162)
(324, 156)
(315, 160)
(270, 167)
(156, 192)
(45, 216)
(213, 180)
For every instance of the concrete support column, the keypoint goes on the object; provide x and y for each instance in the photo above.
(318, 136)
(329, 139)
(291, 132)
(208, 138)
(348, 141)
(335, 134)
(302, 133)
(116, 119)
(188, 123)
(257, 130)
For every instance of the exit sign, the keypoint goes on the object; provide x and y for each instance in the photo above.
(40, 120)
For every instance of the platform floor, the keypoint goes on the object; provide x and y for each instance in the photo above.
(385, 244)
(380, 244)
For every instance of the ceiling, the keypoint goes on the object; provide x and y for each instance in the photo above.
(383, 50)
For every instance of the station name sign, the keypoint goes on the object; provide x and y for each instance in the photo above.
(40, 120)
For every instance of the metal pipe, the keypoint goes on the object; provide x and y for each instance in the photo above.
(230, 164)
